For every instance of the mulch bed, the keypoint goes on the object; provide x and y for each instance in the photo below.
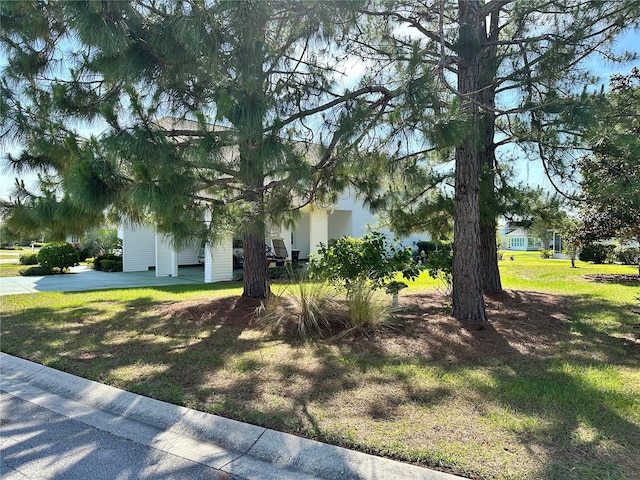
(613, 278)
(520, 323)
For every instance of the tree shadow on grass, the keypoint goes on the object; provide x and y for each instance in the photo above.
(529, 362)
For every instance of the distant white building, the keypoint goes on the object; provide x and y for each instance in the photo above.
(520, 239)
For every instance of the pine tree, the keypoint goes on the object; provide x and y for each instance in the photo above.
(512, 69)
(216, 117)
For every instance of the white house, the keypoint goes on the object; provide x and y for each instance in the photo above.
(520, 239)
(143, 248)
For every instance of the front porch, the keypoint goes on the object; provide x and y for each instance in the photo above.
(145, 249)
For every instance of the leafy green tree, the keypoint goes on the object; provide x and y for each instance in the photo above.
(100, 240)
(349, 262)
(610, 174)
(216, 117)
(513, 70)
(572, 239)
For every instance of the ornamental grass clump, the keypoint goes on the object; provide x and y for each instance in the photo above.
(304, 307)
(368, 309)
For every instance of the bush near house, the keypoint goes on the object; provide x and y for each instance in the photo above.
(28, 259)
(628, 255)
(58, 255)
(360, 266)
(108, 262)
(36, 271)
(598, 253)
(546, 253)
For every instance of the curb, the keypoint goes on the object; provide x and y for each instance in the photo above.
(238, 448)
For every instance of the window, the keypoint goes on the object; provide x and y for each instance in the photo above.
(535, 242)
(517, 242)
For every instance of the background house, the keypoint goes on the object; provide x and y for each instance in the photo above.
(519, 239)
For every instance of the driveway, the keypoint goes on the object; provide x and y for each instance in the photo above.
(83, 278)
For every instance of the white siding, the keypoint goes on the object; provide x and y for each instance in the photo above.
(166, 257)
(363, 221)
(138, 248)
(340, 223)
(318, 230)
(361, 217)
(218, 262)
(301, 235)
(189, 255)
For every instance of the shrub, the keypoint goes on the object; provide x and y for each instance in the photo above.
(59, 255)
(423, 249)
(370, 258)
(285, 272)
(440, 266)
(597, 253)
(546, 253)
(36, 271)
(108, 262)
(628, 255)
(83, 253)
(361, 266)
(107, 265)
(29, 259)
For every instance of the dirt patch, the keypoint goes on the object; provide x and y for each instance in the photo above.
(521, 323)
(613, 278)
(231, 311)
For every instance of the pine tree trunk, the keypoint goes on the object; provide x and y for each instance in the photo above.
(248, 119)
(468, 301)
(255, 278)
(490, 274)
(489, 257)
(255, 281)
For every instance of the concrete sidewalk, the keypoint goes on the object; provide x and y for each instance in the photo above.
(171, 434)
(83, 278)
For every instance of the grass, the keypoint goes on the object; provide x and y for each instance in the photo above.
(8, 254)
(11, 269)
(572, 413)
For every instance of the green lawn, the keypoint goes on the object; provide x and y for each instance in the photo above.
(567, 408)
(11, 269)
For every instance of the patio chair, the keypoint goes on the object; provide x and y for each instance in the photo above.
(280, 252)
